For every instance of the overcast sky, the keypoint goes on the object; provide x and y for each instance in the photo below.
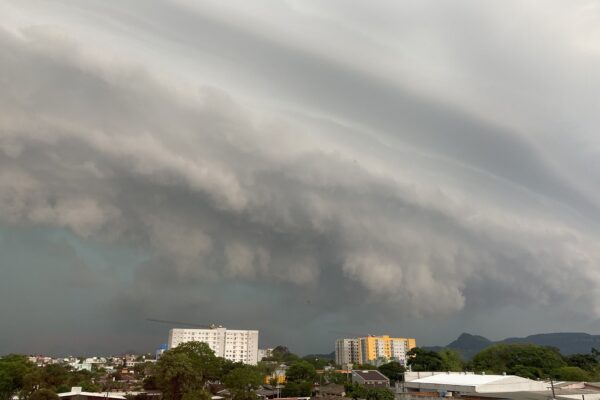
(311, 169)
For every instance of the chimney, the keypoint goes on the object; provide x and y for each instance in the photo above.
(76, 389)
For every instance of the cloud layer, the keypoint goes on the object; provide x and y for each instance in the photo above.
(412, 160)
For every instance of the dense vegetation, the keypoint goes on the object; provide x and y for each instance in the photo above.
(526, 360)
(357, 391)
(183, 373)
(187, 372)
(19, 376)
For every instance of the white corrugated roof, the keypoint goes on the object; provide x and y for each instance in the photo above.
(104, 395)
(462, 379)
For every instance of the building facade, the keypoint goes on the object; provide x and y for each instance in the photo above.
(370, 378)
(264, 353)
(347, 352)
(234, 345)
(370, 349)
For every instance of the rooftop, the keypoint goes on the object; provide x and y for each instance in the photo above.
(371, 375)
(76, 391)
(463, 379)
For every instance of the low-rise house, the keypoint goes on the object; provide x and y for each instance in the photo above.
(267, 393)
(370, 378)
(77, 366)
(332, 389)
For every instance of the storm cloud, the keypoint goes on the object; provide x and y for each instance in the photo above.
(299, 168)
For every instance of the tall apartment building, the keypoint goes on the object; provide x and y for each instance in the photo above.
(234, 345)
(347, 352)
(369, 349)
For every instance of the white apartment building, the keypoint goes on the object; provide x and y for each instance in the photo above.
(347, 352)
(234, 345)
(264, 353)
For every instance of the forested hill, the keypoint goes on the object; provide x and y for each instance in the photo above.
(568, 342)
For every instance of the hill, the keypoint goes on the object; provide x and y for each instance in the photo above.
(567, 342)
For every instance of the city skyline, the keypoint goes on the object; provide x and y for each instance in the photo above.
(312, 170)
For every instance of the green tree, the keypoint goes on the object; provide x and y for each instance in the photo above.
(41, 378)
(393, 370)
(451, 360)
(380, 394)
(243, 381)
(527, 360)
(150, 383)
(527, 371)
(357, 391)
(203, 359)
(282, 354)
(335, 377)
(318, 363)
(297, 389)
(13, 370)
(43, 394)
(175, 375)
(571, 374)
(364, 366)
(586, 362)
(266, 367)
(301, 371)
(59, 378)
(224, 366)
(186, 369)
(85, 379)
(425, 360)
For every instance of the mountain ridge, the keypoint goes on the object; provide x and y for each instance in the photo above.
(567, 343)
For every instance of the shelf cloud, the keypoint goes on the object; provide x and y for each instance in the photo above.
(283, 166)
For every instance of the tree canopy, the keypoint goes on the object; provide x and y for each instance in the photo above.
(393, 370)
(527, 360)
(297, 389)
(182, 373)
(301, 371)
(242, 381)
(425, 360)
(176, 375)
(357, 391)
(43, 394)
(282, 354)
(451, 360)
(13, 370)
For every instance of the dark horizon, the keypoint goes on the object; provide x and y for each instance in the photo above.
(496, 340)
(309, 169)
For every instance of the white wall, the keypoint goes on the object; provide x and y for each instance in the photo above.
(234, 345)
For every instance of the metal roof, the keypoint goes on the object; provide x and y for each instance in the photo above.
(465, 379)
(104, 395)
(371, 375)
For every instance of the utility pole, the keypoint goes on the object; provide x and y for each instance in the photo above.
(552, 386)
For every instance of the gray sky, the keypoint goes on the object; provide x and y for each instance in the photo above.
(310, 169)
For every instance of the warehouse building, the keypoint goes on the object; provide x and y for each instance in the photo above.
(455, 383)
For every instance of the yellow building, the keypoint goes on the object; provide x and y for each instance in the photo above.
(369, 349)
(374, 347)
(274, 378)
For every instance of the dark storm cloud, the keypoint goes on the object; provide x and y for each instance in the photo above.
(264, 174)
